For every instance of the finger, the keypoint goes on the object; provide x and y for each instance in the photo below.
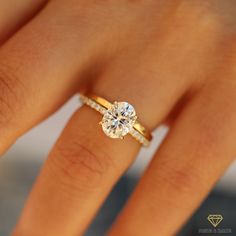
(42, 66)
(196, 153)
(13, 14)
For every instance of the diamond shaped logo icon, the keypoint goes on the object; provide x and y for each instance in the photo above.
(215, 219)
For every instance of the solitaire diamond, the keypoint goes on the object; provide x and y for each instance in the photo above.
(118, 119)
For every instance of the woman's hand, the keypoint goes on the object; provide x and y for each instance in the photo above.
(174, 60)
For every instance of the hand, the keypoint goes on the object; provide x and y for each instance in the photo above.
(174, 60)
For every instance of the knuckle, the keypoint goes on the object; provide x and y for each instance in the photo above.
(208, 140)
(7, 98)
(180, 178)
(208, 135)
(78, 165)
(10, 86)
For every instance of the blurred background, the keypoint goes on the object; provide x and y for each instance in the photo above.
(21, 164)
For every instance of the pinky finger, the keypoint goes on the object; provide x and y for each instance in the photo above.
(197, 151)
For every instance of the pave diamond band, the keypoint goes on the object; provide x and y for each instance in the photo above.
(119, 119)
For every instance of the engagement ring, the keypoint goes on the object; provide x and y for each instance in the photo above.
(119, 119)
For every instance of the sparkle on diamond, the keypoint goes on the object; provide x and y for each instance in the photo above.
(118, 120)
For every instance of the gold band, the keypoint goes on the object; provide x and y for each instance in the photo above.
(139, 132)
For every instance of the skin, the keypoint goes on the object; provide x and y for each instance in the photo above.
(178, 61)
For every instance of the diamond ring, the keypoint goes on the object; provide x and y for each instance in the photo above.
(119, 119)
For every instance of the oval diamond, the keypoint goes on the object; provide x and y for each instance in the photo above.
(118, 120)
